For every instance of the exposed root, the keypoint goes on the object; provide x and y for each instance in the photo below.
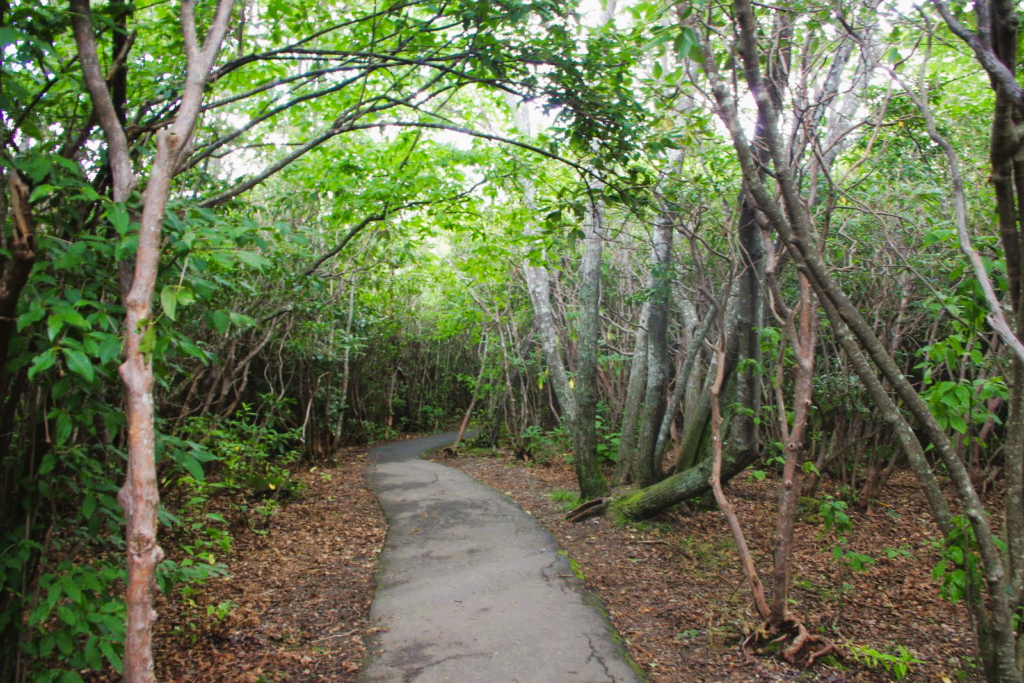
(802, 641)
(829, 647)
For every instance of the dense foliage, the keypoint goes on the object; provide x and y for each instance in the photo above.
(392, 211)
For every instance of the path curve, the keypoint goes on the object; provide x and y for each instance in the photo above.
(470, 588)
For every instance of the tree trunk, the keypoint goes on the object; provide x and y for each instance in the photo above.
(715, 481)
(680, 487)
(584, 427)
(140, 497)
(15, 270)
(539, 288)
(345, 363)
(803, 343)
(648, 458)
(687, 384)
(634, 400)
(743, 431)
(476, 391)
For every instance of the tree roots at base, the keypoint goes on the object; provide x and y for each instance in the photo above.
(801, 641)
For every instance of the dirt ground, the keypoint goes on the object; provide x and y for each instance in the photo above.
(674, 590)
(301, 593)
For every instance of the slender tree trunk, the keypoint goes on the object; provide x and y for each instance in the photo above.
(15, 269)
(476, 391)
(538, 286)
(592, 482)
(746, 558)
(793, 437)
(634, 400)
(140, 496)
(685, 386)
(346, 361)
(743, 430)
(648, 462)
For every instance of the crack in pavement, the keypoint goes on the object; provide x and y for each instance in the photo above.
(594, 655)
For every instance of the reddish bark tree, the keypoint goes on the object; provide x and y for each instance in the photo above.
(140, 497)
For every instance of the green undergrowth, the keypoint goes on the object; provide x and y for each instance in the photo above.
(569, 500)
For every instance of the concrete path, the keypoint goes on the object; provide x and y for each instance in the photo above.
(472, 589)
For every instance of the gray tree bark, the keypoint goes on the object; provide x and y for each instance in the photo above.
(538, 285)
(592, 482)
(634, 401)
(648, 458)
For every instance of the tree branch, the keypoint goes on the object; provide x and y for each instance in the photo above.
(103, 107)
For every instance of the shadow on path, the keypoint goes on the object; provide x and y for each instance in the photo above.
(471, 588)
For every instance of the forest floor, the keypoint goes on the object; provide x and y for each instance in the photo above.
(674, 590)
(299, 593)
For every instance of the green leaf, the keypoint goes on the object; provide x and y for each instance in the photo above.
(169, 300)
(148, 342)
(65, 641)
(253, 259)
(92, 653)
(79, 363)
(67, 615)
(42, 362)
(958, 423)
(117, 214)
(35, 313)
(72, 317)
(185, 295)
(41, 191)
(110, 348)
(88, 505)
(71, 588)
(111, 654)
(53, 596)
(9, 36)
(242, 320)
(193, 350)
(189, 463)
(64, 429)
(221, 321)
(49, 462)
(54, 324)
(70, 676)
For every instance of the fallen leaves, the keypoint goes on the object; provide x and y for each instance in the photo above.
(302, 592)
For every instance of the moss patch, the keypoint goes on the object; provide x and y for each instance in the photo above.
(574, 565)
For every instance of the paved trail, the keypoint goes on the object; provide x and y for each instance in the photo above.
(472, 589)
